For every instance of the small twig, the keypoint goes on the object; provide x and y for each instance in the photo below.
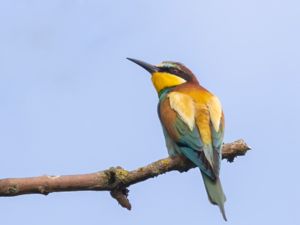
(121, 196)
(116, 179)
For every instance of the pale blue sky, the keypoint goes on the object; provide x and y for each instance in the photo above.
(71, 103)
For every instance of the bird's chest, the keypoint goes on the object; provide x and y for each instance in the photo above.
(172, 147)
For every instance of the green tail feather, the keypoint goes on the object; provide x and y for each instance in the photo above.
(215, 193)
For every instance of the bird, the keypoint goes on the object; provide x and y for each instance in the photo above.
(192, 120)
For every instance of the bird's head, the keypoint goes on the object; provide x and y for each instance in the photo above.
(167, 74)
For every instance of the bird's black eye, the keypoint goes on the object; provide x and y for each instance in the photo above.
(174, 71)
(171, 70)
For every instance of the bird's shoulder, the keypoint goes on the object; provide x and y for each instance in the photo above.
(206, 106)
(199, 94)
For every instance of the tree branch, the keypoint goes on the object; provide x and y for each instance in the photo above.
(116, 179)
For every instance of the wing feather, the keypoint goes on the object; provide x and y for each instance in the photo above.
(184, 106)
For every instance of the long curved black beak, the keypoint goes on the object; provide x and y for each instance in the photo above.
(150, 68)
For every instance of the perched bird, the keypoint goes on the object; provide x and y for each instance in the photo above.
(192, 120)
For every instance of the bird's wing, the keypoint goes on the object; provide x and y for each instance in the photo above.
(210, 123)
(193, 128)
(177, 115)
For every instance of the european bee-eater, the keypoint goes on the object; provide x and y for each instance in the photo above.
(192, 120)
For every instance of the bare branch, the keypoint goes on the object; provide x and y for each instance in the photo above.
(116, 179)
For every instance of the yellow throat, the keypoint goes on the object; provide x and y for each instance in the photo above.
(163, 80)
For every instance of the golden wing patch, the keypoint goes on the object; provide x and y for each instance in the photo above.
(215, 112)
(184, 106)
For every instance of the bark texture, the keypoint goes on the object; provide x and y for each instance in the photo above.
(116, 180)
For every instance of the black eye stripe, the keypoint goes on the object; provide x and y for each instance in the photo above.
(177, 69)
(172, 70)
(177, 72)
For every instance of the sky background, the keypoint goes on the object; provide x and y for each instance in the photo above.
(71, 103)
